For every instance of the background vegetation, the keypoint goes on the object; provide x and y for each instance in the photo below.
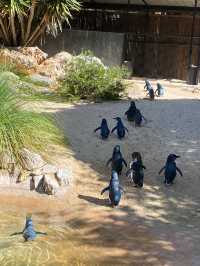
(91, 80)
(24, 22)
(20, 128)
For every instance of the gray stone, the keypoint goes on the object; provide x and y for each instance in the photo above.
(63, 176)
(47, 185)
(30, 160)
(46, 81)
(5, 179)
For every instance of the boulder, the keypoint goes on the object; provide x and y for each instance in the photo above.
(46, 169)
(24, 63)
(54, 67)
(47, 185)
(44, 80)
(30, 160)
(33, 52)
(63, 176)
(5, 179)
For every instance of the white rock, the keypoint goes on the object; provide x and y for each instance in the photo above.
(40, 78)
(34, 52)
(31, 161)
(63, 176)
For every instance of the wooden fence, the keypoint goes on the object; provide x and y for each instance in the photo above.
(156, 43)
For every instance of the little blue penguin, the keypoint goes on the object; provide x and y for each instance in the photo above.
(115, 190)
(160, 90)
(121, 129)
(170, 169)
(147, 85)
(29, 232)
(136, 169)
(130, 113)
(117, 160)
(105, 131)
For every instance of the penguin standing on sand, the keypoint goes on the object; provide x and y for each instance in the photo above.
(160, 90)
(130, 113)
(170, 169)
(121, 129)
(136, 172)
(115, 190)
(117, 160)
(105, 131)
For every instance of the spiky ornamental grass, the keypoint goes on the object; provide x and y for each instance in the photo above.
(23, 129)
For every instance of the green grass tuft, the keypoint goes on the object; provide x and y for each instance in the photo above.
(20, 128)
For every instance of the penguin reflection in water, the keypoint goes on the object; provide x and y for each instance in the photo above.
(115, 190)
(170, 169)
(136, 172)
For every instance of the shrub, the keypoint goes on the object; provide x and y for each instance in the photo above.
(20, 128)
(86, 78)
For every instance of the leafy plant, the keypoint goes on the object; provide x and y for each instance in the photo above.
(20, 128)
(23, 22)
(87, 78)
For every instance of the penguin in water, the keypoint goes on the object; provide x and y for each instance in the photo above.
(170, 169)
(160, 90)
(136, 172)
(105, 131)
(117, 160)
(115, 190)
(121, 129)
(130, 113)
(29, 233)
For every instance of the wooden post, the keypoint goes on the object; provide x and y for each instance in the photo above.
(192, 34)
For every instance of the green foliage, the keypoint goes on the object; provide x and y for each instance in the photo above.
(24, 22)
(20, 128)
(86, 78)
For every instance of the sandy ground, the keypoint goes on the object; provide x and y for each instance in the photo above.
(156, 225)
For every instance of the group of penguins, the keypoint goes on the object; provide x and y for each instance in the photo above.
(136, 170)
(150, 91)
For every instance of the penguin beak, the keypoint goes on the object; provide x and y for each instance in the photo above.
(177, 156)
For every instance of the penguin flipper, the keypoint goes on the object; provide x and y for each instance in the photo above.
(161, 170)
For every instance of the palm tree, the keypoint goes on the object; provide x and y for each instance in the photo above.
(23, 22)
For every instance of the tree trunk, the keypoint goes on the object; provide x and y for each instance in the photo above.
(39, 33)
(21, 21)
(38, 29)
(5, 33)
(31, 16)
(13, 30)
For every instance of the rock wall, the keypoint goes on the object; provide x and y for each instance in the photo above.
(108, 46)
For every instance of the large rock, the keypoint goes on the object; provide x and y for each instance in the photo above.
(46, 169)
(24, 63)
(44, 80)
(34, 52)
(5, 179)
(30, 160)
(63, 176)
(54, 67)
(47, 185)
